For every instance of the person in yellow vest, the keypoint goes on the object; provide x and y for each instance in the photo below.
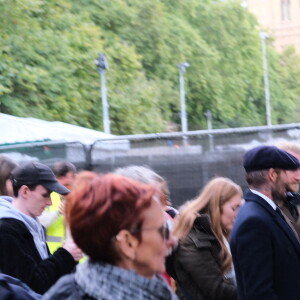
(52, 218)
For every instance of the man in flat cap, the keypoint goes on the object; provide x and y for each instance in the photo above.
(265, 249)
(24, 253)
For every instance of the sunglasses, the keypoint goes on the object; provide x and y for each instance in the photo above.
(164, 230)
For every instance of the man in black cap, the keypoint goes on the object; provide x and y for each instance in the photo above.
(24, 253)
(265, 249)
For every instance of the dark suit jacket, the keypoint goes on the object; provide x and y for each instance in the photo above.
(266, 253)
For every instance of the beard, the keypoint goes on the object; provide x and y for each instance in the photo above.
(279, 190)
(276, 195)
(293, 188)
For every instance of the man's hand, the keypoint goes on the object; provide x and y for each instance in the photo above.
(73, 249)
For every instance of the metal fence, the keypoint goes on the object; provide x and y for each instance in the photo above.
(187, 161)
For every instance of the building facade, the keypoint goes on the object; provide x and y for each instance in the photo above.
(281, 18)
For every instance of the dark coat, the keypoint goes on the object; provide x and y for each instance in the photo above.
(266, 253)
(67, 289)
(197, 266)
(291, 209)
(20, 258)
(14, 289)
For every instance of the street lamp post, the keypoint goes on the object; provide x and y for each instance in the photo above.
(264, 36)
(208, 115)
(102, 65)
(184, 126)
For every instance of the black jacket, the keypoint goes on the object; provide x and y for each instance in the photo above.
(20, 258)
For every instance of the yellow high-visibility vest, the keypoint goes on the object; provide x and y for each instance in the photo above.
(56, 232)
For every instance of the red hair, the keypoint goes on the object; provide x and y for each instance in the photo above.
(100, 207)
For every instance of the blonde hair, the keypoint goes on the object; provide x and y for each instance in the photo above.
(214, 195)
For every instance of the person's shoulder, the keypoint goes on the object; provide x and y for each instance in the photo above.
(201, 234)
(12, 225)
(202, 226)
(253, 217)
(12, 288)
(250, 211)
(64, 288)
(258, 209)
(7, 198)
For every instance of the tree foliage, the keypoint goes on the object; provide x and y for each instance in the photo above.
(47, 67)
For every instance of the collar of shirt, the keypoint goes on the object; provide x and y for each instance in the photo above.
(267, 199)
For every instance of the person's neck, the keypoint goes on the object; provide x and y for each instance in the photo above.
(17, 204)
(265, 190)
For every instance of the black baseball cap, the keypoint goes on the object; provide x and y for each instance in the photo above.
(267, 157)
(35, 173)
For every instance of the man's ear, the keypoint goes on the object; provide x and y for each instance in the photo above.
(24, 191)
(127, 244)
(273, 174)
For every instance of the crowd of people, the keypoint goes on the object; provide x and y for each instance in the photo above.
(83, 235)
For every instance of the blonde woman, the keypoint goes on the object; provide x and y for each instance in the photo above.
(202, 264)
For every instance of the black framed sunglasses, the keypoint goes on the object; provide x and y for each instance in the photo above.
(164, 230)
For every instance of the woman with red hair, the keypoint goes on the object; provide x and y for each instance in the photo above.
(120, 225)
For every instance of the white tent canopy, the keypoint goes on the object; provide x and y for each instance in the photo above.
(20, 130)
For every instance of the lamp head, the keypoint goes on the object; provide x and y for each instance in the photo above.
(263, 35)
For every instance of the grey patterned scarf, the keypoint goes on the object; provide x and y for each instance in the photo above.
(107, 282)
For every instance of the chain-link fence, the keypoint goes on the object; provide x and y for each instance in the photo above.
(187, 161)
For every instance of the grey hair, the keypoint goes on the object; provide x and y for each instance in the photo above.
(141, 174)
(61, 168)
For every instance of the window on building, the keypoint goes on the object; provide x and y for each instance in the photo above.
(286, 10)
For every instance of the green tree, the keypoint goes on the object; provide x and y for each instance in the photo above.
(47, 67)
(46, 64)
